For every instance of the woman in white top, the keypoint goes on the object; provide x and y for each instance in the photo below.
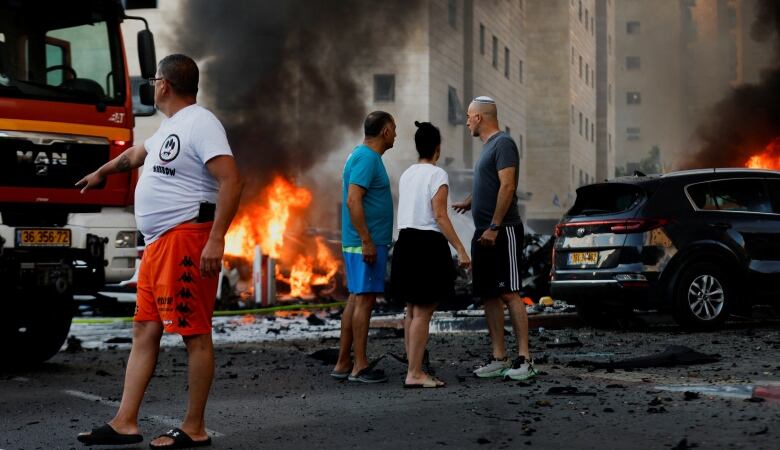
(422, 271)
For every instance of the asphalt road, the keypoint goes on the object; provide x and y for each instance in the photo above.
(273, 395)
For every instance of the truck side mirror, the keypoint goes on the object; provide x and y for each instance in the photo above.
(146, 94)
(146, 55)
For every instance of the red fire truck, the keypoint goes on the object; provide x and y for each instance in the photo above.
(65, 109)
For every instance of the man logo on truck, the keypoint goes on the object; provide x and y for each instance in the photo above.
(169, 149)
(42, 160)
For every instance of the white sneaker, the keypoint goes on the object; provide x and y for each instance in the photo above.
(493, 368)
(521, 369)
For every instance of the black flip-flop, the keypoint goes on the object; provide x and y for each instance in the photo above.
(180, 440)
(105, 435)
(369, 375)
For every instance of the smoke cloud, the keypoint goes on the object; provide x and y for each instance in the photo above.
(282, 74)
(748, 119)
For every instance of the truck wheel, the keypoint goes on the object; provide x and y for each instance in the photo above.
(702, 296)
(36, 335)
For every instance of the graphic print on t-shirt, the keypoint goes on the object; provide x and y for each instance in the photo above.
(169, 149)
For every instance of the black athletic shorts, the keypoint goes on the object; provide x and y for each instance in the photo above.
(496, 270)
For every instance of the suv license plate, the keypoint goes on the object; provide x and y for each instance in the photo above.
(42, 237)
(583, 258)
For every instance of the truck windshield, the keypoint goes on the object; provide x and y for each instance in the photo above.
(60, 51)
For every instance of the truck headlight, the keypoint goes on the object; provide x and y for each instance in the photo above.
(125, 239)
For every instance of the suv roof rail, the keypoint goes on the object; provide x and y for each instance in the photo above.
(719, 170)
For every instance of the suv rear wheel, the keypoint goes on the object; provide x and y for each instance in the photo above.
(702, 296)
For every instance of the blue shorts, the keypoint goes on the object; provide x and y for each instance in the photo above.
(365, 278)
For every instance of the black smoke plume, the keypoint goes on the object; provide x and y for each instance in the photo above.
(748, 119)
(281, 75)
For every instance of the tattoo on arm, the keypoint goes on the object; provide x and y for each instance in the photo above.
(123, 165)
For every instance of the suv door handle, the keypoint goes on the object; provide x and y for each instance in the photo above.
(720, 225)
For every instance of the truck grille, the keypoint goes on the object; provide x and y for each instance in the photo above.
(46, 160)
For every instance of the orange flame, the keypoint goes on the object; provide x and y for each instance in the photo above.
(265, 221)
(769, 158)
(264, 224)
(307, 271)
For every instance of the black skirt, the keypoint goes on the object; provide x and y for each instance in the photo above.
(422, 270)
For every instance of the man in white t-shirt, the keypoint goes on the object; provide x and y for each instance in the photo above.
(184, 203)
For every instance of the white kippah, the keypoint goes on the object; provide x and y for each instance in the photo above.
(484, 99)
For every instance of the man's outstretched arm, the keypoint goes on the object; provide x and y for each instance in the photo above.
(130, 159)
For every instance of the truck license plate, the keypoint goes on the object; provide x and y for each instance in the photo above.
(583, 258)
(42, 237)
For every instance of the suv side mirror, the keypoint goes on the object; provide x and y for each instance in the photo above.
(146, 55)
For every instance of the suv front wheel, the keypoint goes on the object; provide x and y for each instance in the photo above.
(702, 296)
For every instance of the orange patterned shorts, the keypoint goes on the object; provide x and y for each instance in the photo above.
(170, 287)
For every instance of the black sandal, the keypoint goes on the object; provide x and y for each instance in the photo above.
(180, 440)
(105, 435)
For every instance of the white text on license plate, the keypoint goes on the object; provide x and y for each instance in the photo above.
(583, 258)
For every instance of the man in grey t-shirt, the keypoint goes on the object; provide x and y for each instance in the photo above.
(497, 246)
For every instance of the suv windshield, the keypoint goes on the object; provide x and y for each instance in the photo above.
(69, 54)
(608, 198)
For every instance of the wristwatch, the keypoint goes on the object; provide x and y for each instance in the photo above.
(493, 227)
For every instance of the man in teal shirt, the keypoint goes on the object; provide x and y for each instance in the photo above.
(366, 235)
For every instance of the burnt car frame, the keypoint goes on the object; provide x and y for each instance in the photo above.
(701, 244)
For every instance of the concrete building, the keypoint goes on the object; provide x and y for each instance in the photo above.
(459, 49)
(605, 82)
(561, 107)
(674, 64)
(650, 81)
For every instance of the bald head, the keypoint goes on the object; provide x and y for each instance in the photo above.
(482, 116)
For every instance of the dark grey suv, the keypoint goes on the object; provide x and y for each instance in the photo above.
(699, 243)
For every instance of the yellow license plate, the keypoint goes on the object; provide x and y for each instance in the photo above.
(583, 258)
(42, 237)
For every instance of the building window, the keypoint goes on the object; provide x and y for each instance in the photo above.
(633, 62)
(633, 98)
(609, 43)
(481, 39)
(580, 66)
(592, 25)
(609, 94)
(580, 124)
(586, 20)
(592, 132)
(580, 11)
(452, 13)
(572, 114)
(384, 88)
(587, 74)
(593, 78)
(506, 62)
(495, 52)
(587, 128)
(455, 113)
(572, 56)
(582, 179)
(632, 133)
(609, 142)
(520, 70)
(508, 131)
(632, 27)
